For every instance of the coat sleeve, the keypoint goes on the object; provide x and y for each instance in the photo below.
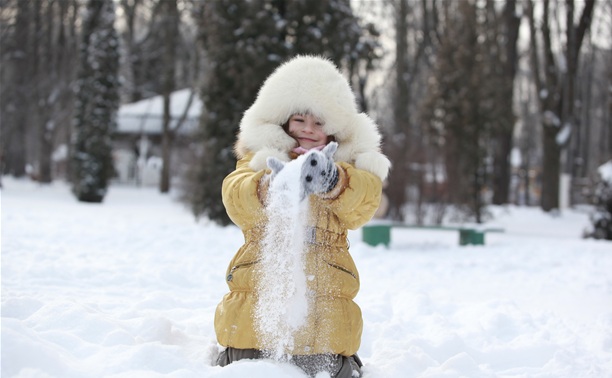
(356, 196)
(241, 197)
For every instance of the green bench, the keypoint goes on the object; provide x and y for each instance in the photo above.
(380, 233)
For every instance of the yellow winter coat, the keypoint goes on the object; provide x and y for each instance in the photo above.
(334, 324)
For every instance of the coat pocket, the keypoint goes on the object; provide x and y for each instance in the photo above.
(230, 275)
(341, 268)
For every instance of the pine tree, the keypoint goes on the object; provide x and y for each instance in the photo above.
(97, 103)
(242, 44)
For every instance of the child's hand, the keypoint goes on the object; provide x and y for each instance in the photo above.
(319, 172)
(275, 166)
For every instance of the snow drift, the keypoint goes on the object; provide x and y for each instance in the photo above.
(129, 288)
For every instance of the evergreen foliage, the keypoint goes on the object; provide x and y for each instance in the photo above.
(97, 103)
(244, 43)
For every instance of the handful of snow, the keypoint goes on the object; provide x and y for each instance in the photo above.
(318, 172)
(282, 302)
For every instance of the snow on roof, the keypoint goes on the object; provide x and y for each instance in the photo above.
(146, 116)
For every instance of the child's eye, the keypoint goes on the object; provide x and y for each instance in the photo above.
(298, 119)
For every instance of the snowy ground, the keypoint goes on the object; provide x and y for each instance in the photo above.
(129, 288)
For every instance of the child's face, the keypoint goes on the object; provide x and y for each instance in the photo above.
(307, 130)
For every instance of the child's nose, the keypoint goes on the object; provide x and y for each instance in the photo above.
(309, 126)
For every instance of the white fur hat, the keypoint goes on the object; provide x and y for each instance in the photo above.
(313, 85)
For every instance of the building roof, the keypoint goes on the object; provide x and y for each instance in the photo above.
(146, 116)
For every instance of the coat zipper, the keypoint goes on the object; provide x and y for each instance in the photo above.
(230, 276)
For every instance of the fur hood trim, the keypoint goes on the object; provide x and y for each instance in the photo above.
(313, 85)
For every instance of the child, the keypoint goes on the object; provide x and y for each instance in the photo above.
(305, 104)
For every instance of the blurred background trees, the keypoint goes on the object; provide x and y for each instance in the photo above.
(555, 72)
(39, 53)
(480, 101)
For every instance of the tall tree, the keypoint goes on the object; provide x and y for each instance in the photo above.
(142, 37)
(417, 34)
(131, 35)
(52, 94)
(555, 75)
(460, 108)
(38, 55)
(16, 74)
(398, 149)
(591, 142)
(502, 32)
(239, 41)
(97, 102)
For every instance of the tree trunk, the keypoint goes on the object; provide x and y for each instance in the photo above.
(551, 167)
(555, 87)
(164, 184)
(170, 39)
(398, 181)
(45, 74)
(502, 168)
(14, 138)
